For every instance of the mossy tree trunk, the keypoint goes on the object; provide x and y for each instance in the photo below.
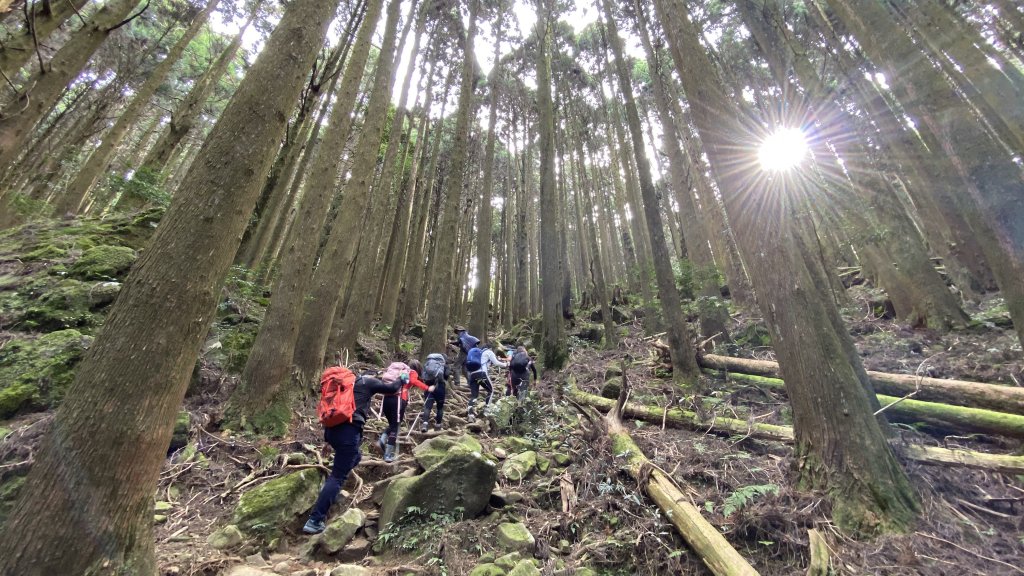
(321, 304)
(258, 399)
(840, 446)
(684, 361)
(87, 505)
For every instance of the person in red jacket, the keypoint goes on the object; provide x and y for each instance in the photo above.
(394, 408)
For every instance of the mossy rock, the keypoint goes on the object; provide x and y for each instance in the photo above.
(68, 304)
(516, 444)
(487, 569)
(34, 374)
(525, 568)
(434, 450)
(103, 263)
(612, 387)
(502, 412)
(543, 464)
(350, 570)
(181, 426)
(227, 537)
(464, 480)
(612, 371)
(508, 561)
(520, 466)
(591, 333)
(263, 511)
(561, 460)
(585, 571)
(514, 536)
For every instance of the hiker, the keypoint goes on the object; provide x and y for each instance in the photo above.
(519, 366)
(394, 405)
(465, 342)
(435, 372)
(345, 439)
(478, 361)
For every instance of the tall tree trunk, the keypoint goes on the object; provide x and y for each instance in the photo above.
(19, 118)
(321, 305)
(995, 182)
(684, 359)
(840, 445)
(95, 472)
(185, 115)
(439, 297)
(478, 317)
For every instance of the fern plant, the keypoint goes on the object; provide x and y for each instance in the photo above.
(740, 498)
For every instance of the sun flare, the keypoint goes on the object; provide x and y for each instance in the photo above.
(782, 150)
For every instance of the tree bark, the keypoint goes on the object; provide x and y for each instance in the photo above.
(45, 19)
(684, 362)
(95, 472)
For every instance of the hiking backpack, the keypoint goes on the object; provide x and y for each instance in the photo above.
(473, 359)
(337, 397)
(433, 368)
(520, 362)
(394, 371)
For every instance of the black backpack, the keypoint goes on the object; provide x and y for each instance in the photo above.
(520, 362)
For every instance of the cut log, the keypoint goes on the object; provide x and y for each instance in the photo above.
(940, 416)
(731, 427)
(1007, 399)
(709, 544)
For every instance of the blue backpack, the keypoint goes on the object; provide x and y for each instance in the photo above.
(473, 359)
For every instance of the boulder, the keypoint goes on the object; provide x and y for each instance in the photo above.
(263, 511)
(501, 413)
(487, 570)
(508, 561)
(349, 570)
(341, 531)
(561, 460)
(103, 263)
(227, 537)
(463, 479)
(35, 373)
(434, 450)
(500, 498)
(525, 568)
(543, 464)
(515, 536)
(516, 444)
(591, 333)
(520, 466)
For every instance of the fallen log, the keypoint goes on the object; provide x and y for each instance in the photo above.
(731, 427)
(941, 416)
(1007, 399)
(709, 544)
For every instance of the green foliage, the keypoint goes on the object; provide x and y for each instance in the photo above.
(416, 530)
(740, 498)
(144, 188)
(35, 373)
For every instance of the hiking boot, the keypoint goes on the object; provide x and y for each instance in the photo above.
(470, 418)
(314, 527)
(423, 427)
(437, 426)
(390, 452)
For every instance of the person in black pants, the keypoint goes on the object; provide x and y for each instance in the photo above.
(435, 373)
(394, 406)
(345, 439)
(519, 367)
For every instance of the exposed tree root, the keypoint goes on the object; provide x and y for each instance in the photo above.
(957, 392)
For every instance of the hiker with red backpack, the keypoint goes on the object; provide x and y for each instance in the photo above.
(435, 373)
(479, 359)
(394, 405)
(344, 402)
(519, 366)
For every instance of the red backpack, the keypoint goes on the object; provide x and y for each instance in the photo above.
(337, 397)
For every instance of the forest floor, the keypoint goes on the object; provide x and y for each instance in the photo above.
(972, 521)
